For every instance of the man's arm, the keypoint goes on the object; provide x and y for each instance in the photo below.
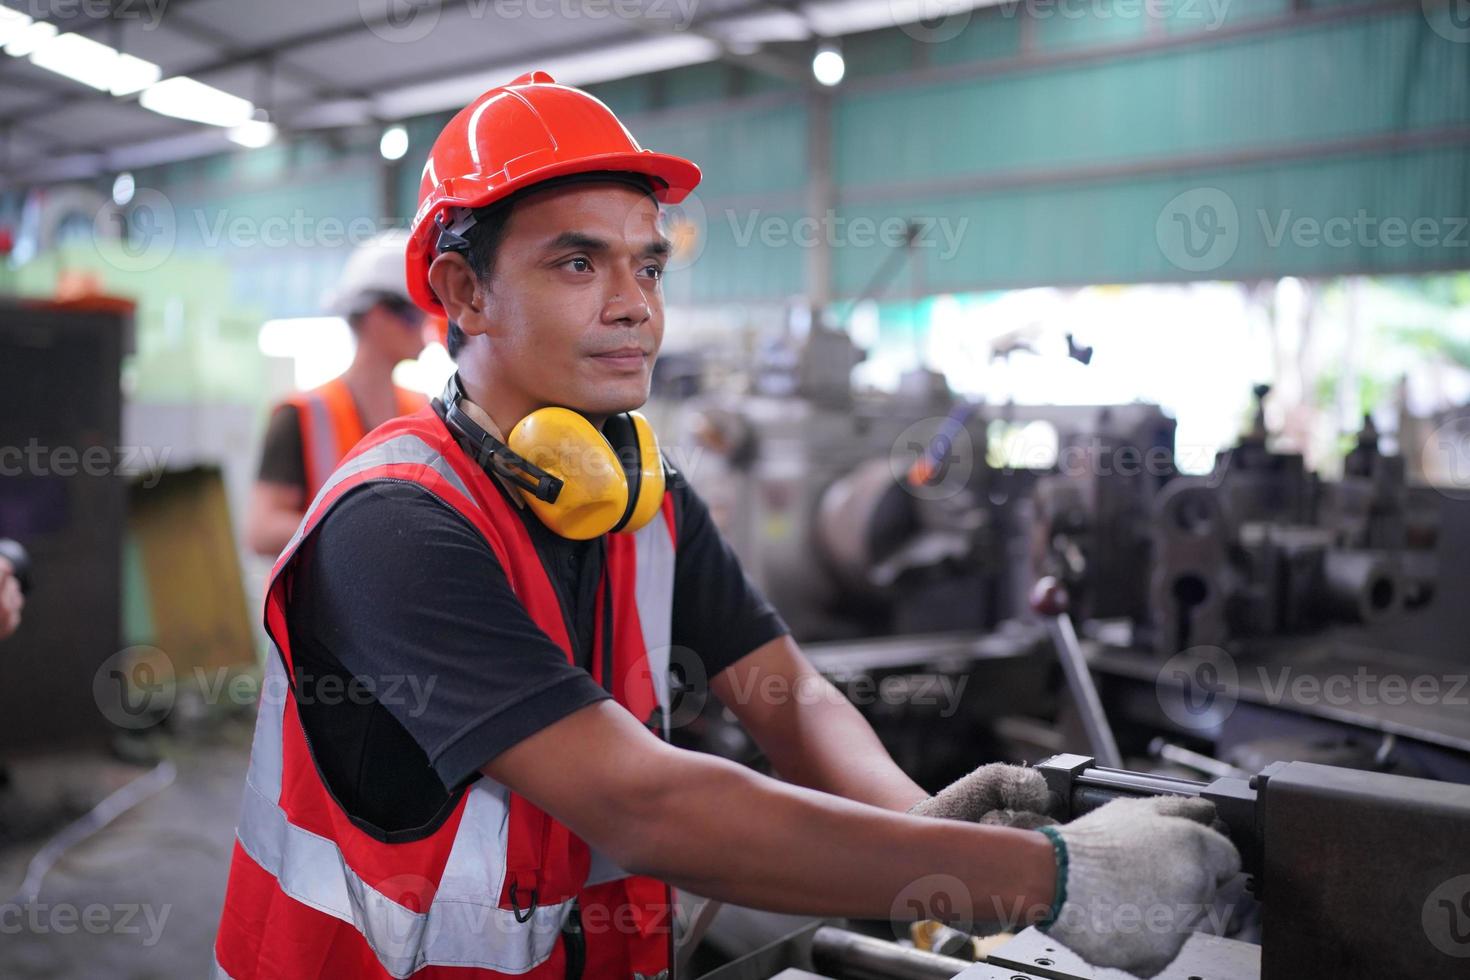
(275, 511)
(278, 499)
(11, 600)
(813, 735)
(671, 813)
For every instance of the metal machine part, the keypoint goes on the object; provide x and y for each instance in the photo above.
(859, 957)
(1361, 875)
(1049, 600)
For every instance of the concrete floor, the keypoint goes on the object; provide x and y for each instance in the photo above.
(141, 898)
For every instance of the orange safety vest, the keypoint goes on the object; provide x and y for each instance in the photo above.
(331, 426)
(499, 888)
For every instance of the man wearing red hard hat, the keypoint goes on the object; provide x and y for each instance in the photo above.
(461, 765)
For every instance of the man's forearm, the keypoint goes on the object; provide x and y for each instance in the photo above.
(812, 735)
(833, 749)
(770, 845)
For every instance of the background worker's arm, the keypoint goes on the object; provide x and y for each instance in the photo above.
(721, 830)
(812, 735)
(278, 499)
(274, 512)
(11, 600)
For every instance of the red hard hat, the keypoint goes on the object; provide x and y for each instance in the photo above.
(517, 135)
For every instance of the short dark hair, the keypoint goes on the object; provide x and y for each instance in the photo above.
(484, 237)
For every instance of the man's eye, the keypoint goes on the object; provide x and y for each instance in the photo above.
(654, 271)
(580, 263)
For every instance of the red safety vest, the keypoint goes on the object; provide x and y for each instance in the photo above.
(498, 889)
(330, 426)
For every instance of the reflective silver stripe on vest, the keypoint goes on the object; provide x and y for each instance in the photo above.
(407, 448)
(323, 437)
(654, 591)
(654, 594)
(461, 927)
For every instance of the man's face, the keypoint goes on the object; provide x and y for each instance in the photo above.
(574, 304)
(396, 327)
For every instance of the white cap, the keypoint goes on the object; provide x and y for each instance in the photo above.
(377, 266)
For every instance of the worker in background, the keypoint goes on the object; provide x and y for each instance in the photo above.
(14, 566)
(311, 431)
(502, 580)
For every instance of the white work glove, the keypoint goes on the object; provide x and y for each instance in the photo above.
(1010, 796)
(1134, 877)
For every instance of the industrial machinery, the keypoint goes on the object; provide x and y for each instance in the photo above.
(1358, 876)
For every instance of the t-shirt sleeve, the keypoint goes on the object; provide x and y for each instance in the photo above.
(282, 459)
(719, 613)
(409, 598)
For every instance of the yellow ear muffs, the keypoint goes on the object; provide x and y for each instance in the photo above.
(610, 482)
(594, 491)
(636, 446)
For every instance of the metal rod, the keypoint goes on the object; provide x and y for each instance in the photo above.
(1084, 691)
(860, 957)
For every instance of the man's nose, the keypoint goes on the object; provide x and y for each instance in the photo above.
(627, 304)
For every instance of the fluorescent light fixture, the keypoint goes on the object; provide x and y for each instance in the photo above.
(394, 143)
(122, 188)
(254, 134)
(29, 38)
(12, 24)
(132, 74)
(764, 27)
(185, 98)
(827, 65)
(79, 58)
(604, 64)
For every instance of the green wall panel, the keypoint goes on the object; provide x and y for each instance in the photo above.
(1346, 79)
(1274, 223)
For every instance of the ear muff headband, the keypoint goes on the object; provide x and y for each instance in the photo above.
(490, 451)
(581, 483)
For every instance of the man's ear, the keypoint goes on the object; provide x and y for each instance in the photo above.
(459, 289)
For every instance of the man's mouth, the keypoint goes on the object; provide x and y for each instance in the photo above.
(623, 357)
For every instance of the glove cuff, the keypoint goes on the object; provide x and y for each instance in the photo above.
(1059, 848)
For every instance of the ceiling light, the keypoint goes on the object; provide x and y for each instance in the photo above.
(79, 58)
(132, 74)
(123, 188)
(394, 143)
(827, 64)
(29, 38)
(12, 24)
(184, 98)
(254, 134)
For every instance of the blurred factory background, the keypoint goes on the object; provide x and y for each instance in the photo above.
(1168, 302)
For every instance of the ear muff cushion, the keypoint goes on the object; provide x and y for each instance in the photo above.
(646, 472)
(594, 493)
